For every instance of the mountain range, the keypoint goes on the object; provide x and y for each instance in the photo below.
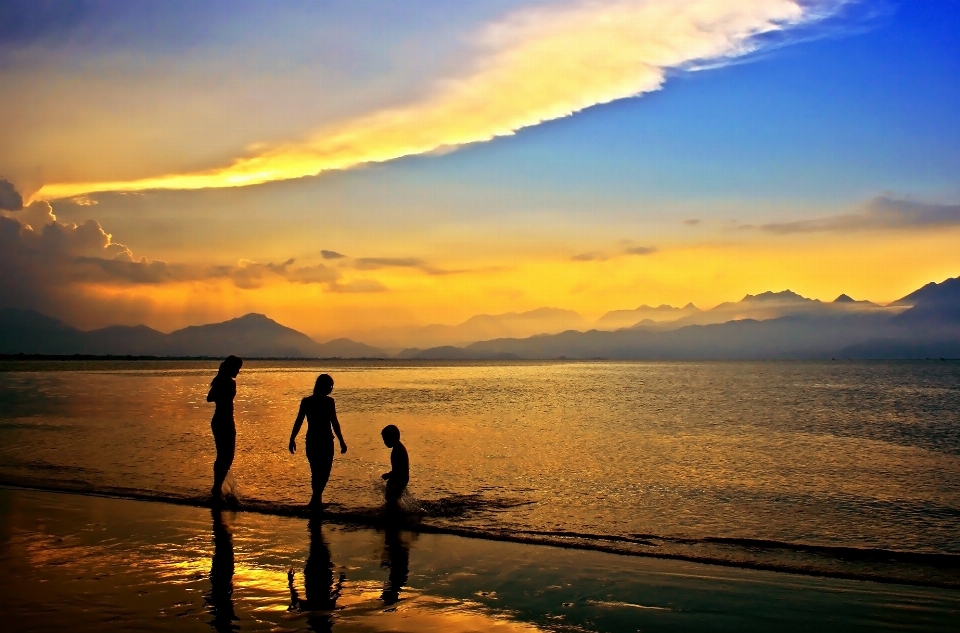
(923, 324)
(250, 336)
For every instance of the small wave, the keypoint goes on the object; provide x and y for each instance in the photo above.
(891, 566)
(629, 605)
(947, 561)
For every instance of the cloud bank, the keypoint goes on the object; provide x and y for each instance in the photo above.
(533, 66)
(10, 199)
(44, 262)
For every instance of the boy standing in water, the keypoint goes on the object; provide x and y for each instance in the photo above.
(397, 478)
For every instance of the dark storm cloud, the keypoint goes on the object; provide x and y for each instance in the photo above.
(879, 213)
(41, 262)
(35, 264)
(640, 250)
(331, 255)
(592, 256)
(125, 270)
(10, 199)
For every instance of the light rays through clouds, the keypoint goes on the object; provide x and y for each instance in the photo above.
(532, 66)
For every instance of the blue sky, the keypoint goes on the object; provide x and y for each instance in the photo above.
(869, 107)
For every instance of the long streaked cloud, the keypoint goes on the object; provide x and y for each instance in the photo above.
(533, 66)
(880, 213)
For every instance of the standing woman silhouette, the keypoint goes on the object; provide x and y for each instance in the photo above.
(321, 413)
(223, 389)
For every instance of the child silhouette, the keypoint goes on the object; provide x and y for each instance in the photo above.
(397, 478)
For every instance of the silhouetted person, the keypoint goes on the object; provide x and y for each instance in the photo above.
(220, 597)
(223, 390)
(320, 593)
(396, 558)
(321, 414)
(397, 478)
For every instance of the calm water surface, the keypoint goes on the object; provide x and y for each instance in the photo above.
(838, 468)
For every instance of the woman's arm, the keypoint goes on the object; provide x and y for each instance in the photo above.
(336, 428)
(296, 429)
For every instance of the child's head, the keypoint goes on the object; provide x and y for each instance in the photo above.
(391, 435)
(231, 366)
(323, 386)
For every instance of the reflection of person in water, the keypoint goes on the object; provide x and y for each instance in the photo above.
(220, 597)
(399, 476)
(223, 390)
(319, 591)
(321, 414)
(396, 558)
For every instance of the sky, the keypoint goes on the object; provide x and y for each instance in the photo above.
(349, 166)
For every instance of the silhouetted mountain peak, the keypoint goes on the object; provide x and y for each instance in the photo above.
(934, 306)
(947, 291)
(10, 317)
(847, 300)
(781, 297)
(253, 317)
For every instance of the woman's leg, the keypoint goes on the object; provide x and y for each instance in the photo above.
(320, 456)
(226, 443)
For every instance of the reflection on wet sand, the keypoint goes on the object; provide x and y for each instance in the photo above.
(219, 599)
(320, 593)
(396, 559)
(367, 605)
(112, 564)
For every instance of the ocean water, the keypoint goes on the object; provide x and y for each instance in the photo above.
(836, 468)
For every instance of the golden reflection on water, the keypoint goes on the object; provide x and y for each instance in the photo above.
(860, 455)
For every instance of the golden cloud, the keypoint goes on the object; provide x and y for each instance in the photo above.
(534, 66)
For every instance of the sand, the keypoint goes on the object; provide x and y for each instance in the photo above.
(91, 563)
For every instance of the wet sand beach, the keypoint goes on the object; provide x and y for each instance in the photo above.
(89, 563)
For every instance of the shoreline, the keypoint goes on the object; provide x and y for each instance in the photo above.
(29, 357)
(553, 539)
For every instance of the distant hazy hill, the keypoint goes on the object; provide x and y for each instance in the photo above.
(774, 305)
(482, 327)
(251, 336)
(616, 319)
(345, 348)
(760, 307)
(29, 331)
(813, 329)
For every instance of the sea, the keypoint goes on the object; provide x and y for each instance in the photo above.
(842, 469)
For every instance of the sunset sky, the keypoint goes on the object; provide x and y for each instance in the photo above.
(343, 166)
